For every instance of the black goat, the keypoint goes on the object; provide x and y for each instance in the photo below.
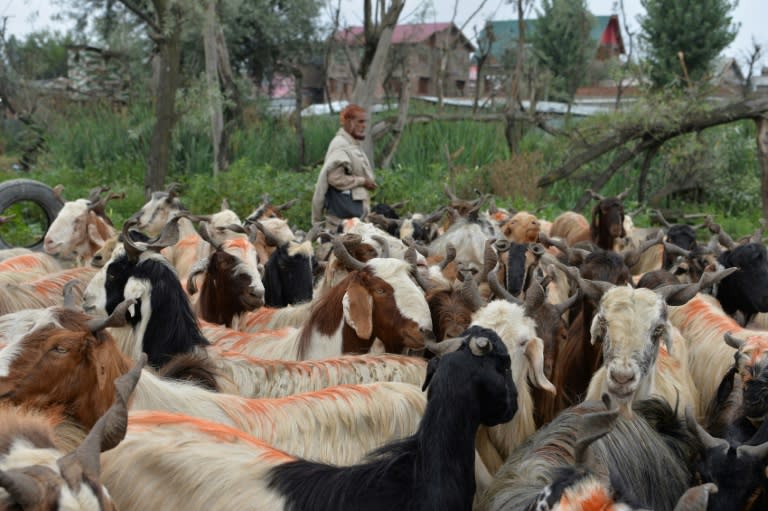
(433, 469)
(289, 274)
(745, 291)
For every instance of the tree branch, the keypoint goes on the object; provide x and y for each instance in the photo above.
(146, 18)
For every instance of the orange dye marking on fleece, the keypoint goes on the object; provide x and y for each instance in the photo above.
(219, 432)
(699, 310)
(756, 347)
(666, 360)
(21, 263)
(592, 499)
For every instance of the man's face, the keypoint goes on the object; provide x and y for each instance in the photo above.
(355, 126)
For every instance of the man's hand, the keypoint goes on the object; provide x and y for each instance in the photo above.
(370, 185)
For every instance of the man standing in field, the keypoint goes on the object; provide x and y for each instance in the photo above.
(342, 189)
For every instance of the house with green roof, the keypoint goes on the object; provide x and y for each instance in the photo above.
(606, 34)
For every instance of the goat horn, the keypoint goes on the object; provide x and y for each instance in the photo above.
(733, 341)
(567, 303)
(95, 193)
(480, 346)
(534, 352)
(595, 289)
(450, 256)
(593, 426)
(168, 236)
(502, 245)
(69, 293)
(498, 290)
(239, 229)
(381, 220)
(314, 232)
(470, 292)
(199, 267)
(444, 346)
(345, 257)
(205, 233)
(534, 298)
(537, 249)
(435, 216)
(660, 217)
(269, 238)
(707, 440)
(490, 260)
(384, 244)
(24, 490)
(708, 278)
(623, 195)
(410, 256)
(557, 243)
(675, 250)
(398, 205)
(696, 498)
(631, 257)
(593, 195)
(450, 194)
(110, 429)
(758, 451)
(286, 205)
(173, 190)
(132, 250)
(118, 317)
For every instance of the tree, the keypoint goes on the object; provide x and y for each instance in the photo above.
(40, 56)
(700, 29)
(563, 45)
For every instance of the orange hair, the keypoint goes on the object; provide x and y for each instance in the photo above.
(350, 111)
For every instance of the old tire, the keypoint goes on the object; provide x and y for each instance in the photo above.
(42, 195)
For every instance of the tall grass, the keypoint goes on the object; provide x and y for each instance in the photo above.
(93, 145)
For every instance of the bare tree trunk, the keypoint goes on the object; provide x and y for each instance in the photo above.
(297, 84)
(762, 158)
(402, 117)
(642, 182)
(514, 130)
(165, 110)
(214, 90)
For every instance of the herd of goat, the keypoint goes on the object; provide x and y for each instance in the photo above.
(471, 358)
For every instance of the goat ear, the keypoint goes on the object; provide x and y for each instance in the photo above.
(431, 369)
(358, 310)
(94, 235)
(597, 331)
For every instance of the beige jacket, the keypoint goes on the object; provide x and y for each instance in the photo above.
(345, 167)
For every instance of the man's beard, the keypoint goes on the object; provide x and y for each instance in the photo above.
(357, 137)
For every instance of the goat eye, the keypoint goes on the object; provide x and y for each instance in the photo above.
(60, 349)
(380, 291)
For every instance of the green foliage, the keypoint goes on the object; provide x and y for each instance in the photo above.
(700, 29)
(40, 56)
(562, 43)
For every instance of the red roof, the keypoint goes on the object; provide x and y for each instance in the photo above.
(409, 33)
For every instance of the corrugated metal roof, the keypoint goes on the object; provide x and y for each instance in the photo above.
(506, 33)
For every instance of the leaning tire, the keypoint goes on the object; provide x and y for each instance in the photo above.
(19, 190)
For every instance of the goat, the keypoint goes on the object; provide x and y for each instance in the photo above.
(231, 283)
(36, 476)
(746, 291)
(159, 210)
(607, 220)
(260, 378)
(288, 274)
(71, 366)
(162, 322)
(523, 227)
(647, 466)
(35, 263)
(430, 470)
(572, 227)
(80, 228)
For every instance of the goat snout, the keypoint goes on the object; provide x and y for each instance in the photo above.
(622, 376)
(51, 247)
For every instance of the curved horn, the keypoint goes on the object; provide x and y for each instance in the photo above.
(450, 255)
(675, 250)
(631, 257)
(445, 346)
(707, 440)
(269, 238)
(733, 341)
(566, 304)
(205, 233)
(502, 245)
(69, 294)
(199, 267)
(593, 195)
(239, 229)
(286, 205)
(623, 195)
(480, 346)
(498, 290)
(660, 218)
(173, 190)
(95, 194)
(118, 317)
(450, 194)
(132, 250)
(758, 451)
(534, 298)
(168, 236)
(594, 289)
(110, 429)
(696, 498)
(490, 260)
(344, 256)
(23, 489)
(470, 292)
(383, 243)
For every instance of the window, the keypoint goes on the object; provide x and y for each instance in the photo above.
(460, 87)
(423, 85)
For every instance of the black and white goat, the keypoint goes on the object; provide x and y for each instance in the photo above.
(214, 467)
